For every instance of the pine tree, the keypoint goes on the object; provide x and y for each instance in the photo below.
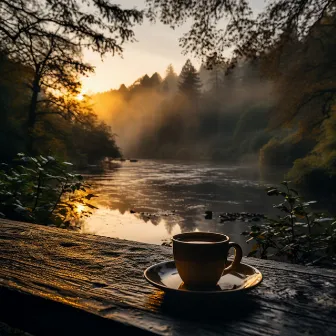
(190, 83)
(123, 89)
(169, 83)
(145, 81)
(155, 80)
(216, 79)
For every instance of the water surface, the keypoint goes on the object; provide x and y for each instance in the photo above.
(169, 197)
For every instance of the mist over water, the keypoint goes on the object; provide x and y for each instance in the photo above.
(223, 117)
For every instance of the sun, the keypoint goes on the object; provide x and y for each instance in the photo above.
(80, 96)
(80, 208)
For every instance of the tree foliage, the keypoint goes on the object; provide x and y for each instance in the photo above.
(189, 82)
(48, 38)
(170, 81)
(248, 34)
(67, 137)
(98, 25)
(280, 35)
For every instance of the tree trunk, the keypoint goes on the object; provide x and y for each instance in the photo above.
(32, 115)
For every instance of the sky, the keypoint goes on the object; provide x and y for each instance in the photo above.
(157, 46)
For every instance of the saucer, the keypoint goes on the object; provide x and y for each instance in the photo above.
(165, 276)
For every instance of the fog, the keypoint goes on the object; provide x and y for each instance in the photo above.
(204, 114)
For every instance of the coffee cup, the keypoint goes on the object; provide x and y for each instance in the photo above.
(201, 257)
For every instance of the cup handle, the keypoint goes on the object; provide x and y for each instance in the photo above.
(237, 259)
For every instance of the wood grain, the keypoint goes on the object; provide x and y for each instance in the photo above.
(97, 282)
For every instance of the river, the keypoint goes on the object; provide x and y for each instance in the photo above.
(151, 200)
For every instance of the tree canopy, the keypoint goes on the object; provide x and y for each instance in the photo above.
(48, 38)
(221, 25)
(96, 24)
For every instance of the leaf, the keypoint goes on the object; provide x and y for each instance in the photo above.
(294, 191)
(89, 196)
(281, 207)
(290, 200)
(252, 253)
(91, 206)
(302, 224)
(272, 192)
(67, 163)
(323, 220)
(255, 228)
(308, 203)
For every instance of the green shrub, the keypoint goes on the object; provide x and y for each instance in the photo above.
(42, 190)
(298, 235)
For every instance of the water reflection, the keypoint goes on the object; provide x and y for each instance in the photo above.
(171, 197)
(112, 223)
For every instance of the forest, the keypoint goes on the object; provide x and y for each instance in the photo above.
(65, 127)
(271, 102)
(276, 110)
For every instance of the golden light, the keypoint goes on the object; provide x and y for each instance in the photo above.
(80, 208)
(80, 96)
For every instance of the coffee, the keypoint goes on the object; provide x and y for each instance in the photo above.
(200, 257)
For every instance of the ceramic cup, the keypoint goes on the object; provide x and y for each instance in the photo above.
(201, 257)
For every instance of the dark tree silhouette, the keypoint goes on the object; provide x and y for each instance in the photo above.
(307, 87)
(170, 81)
(48, 38)
(96, 24)
(190, 84)
(267, 36)
(54, 65)
(155, 80)
(216, 79)
(247, 35)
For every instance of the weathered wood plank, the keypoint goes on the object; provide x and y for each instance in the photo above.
(103, 277)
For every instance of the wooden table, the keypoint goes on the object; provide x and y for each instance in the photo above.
(56, 282)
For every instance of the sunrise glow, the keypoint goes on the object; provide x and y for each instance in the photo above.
(80, 208)
(80, 96)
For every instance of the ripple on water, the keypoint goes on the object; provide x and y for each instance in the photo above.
(159, 186)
